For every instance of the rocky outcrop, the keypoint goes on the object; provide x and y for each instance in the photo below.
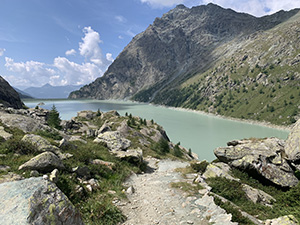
(218, 170)
(5, 135)
(8, 96)
(265, 157)
(45, 162)
(113, 140)
(258, 196)
(35, 201)
(292, 146)
(283, 220)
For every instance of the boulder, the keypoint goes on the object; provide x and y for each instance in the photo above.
(4, 134)
(23, 122)
(292, 146)
(283, 220)
(101, 162)
(35, 201)
(218, 170)
(265, 157)
(105, 127)
(41, 143)
(154, 134)
(77, 138)
(44, 162)
(134, 156)
(113, 140)
(54, 176)
(257, 196)
(87, 115)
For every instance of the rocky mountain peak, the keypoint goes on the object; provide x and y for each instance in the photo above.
(8, 96)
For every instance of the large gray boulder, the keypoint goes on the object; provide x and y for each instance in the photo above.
(4, 134)
(114, 140)
(35, 201)
(258, 196)
(134, 156)
(41, 143)
(292, 146)
(44, 162)
(264, 156)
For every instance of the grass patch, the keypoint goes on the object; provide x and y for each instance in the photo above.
(191, 189)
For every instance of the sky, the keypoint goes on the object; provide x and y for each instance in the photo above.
(72, 42)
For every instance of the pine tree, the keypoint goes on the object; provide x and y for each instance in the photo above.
(53, 118)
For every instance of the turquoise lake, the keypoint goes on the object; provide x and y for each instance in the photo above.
(202, 133)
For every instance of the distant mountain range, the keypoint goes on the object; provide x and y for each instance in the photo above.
(211, 59)
(48, 91)
(22, 94)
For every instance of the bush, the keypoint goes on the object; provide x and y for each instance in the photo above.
(18, 146)
(199, 166)
(162, 146)
(177, 151)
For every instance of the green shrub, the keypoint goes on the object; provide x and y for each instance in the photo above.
(177, 151)
(15, 145)
(53, 118)
(199, 166)
(162, 146)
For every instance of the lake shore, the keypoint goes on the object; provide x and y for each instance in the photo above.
(247, 121)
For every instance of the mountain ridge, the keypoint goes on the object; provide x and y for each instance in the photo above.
(181, 44)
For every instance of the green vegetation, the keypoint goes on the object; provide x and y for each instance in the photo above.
(191, 189)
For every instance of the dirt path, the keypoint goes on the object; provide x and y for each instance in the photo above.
(155, 202)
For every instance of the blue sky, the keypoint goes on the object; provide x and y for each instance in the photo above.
(65, 42)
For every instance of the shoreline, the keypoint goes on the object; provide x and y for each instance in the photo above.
(247, 121)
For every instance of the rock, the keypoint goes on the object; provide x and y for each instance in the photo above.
(23, 122)
(155, 134)
(54, 176)
(10, 177)
(292, 146)
(113, 140)
(265, 157)
(4, 168)
(41, 143)
(101, 162)
(130, 190)
(134, 156)
(112, 113)
(89, 188)
(4, 134)
(124, 129)
(82, 171)
(77, 138)
(105, 127)
(283, 220)
(35, 201)
(258, 196)
(87, 115)
(218, 170)
(71, 125)
(94, 184)
(44, 162)
(34, 173)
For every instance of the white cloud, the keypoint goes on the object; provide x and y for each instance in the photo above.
(2, 50)
(73, 73)
(70, 52)
(121, 19)
(109, 57)
(121, 37)
(90, 49)
(28, 73)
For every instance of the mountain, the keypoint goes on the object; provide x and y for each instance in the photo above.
(48, 91)
(8, 96)
(22, 94)
(211, 59)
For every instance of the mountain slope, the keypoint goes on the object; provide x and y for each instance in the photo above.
(161, 63)
(22, 94)
(8, 96)
(48, 91)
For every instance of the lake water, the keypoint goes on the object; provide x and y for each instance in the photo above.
(201, 133)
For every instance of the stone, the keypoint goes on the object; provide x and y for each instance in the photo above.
(218, 170)
(264, 156)
(10, 176)
(44, 162)
(94, 184)
(292, 145)
(104, 128)
(82, 171)
(4, 168)
(34, 173)
(101, 162)
(35, 201)
(87, 115)
(4, 134)
(41, 143)
(77, 138)
(134, 156)
(130, 190)
(113, 140)
(54, 176)
(258, 196)
(283, 220)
